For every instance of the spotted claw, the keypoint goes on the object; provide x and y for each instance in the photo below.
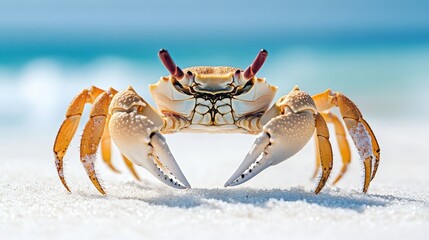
(276, 143)
(135, 126)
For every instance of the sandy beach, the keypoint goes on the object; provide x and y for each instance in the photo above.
(276, 204)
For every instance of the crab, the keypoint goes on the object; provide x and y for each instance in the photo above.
(214, 100)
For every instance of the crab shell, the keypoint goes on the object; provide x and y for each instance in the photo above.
(212, 99)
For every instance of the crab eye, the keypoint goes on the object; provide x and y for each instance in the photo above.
(238, 79)
(237, 74)
(188, 79)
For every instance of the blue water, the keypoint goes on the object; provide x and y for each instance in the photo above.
(387, 79)
(83, 49)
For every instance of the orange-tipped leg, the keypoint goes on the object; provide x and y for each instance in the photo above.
(362, 135)
(106, 148)
(324, 151)
(317, 167)
(130, 167)
(362, 139)
(343, 144)
(375, 148)
(91, 136)
(68, 128)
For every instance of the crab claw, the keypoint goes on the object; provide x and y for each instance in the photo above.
(134, 127)
(158, 160)
(282, 137)
(253, 163)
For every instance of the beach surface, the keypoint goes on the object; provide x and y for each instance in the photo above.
(277, 204)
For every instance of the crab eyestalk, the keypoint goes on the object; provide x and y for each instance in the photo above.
(168, 62)
(251, 71)
(175, 71)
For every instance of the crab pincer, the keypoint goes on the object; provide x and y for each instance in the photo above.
(135, 127)
(284, 135)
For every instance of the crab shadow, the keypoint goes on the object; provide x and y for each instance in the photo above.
(198, 197)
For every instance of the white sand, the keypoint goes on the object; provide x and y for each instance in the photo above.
(277, 204)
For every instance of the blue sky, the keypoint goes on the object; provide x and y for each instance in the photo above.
(81, 29)
(79, 19)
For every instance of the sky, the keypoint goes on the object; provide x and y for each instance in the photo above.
(97, 19)
(84, 30)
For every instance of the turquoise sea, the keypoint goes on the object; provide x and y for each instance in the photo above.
(388, 79)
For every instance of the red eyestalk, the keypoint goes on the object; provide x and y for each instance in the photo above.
(168, 62)
(251, 71)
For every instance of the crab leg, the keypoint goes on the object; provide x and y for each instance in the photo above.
(106, 146)
(375, 148)
(343, 144)
(317, 166)
(358, 128)
(324, 150)
(68, 127)
(92, 134)
(130, 167)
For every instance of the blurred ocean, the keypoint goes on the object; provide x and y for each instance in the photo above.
(387, 82)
